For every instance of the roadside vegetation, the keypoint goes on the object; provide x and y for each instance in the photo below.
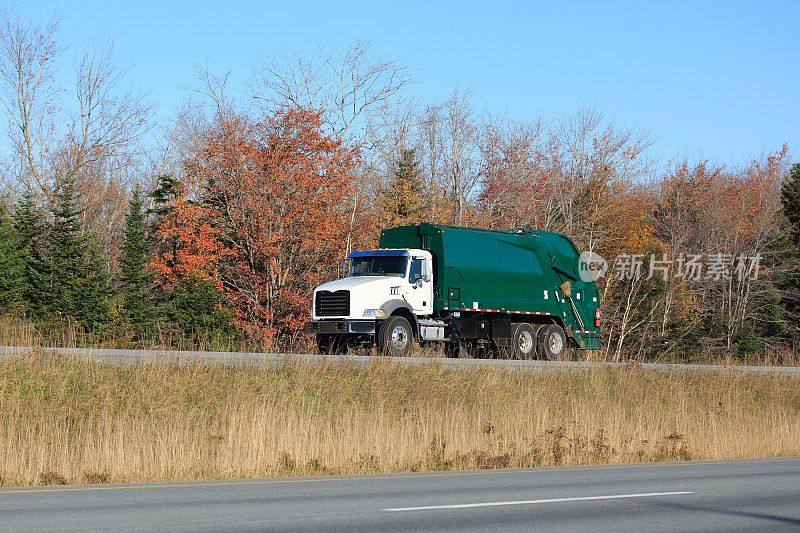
(65, 421)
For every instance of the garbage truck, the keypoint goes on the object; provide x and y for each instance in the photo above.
(511, 294)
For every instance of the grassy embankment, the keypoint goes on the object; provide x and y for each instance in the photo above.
(68, 421)
(15, 331)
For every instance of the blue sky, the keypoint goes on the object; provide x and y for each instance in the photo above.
(719, 80)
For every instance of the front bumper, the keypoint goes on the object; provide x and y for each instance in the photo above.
(359, 327)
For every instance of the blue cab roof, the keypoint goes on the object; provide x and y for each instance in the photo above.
(379, 253)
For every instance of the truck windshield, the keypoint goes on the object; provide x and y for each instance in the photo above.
(378, 266)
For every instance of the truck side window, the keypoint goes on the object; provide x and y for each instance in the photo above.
(415, 272)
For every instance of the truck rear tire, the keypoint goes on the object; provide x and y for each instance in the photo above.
(523, 341)
(552, 342)
(395, 337)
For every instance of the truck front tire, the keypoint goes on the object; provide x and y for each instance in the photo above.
(395, 337)
(552, 342)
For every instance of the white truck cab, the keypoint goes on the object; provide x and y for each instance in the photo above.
(387, 287)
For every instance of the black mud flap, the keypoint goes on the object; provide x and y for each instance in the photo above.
(501, 331)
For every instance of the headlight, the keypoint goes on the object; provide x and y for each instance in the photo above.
(375, 313)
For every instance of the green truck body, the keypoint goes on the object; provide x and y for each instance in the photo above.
(518, 274)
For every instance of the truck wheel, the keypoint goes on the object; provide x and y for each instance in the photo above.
(396, 337)
(328, 344)
(552, 342)
(523, 341)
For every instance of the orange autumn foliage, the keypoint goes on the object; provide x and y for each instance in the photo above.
(269, 223)
(190, 245)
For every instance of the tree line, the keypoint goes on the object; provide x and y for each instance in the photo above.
(55, 273)
(221, 229)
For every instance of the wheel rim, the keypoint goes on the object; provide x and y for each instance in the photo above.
(555, 343)
(399, 337)
(525, 342)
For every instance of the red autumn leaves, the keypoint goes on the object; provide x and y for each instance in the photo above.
(262, 216)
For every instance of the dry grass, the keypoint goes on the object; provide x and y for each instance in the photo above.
(15, 331)
(64, 421)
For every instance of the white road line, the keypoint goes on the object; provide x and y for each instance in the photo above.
(531, 502)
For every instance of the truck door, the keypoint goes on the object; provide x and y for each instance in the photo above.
(419, 291)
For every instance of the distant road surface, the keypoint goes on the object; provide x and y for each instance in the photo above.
(228, 358)
(715, 496)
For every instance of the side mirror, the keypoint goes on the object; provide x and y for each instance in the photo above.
(418, 283)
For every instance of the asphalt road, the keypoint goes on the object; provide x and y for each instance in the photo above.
(719, 496)
(115, 356)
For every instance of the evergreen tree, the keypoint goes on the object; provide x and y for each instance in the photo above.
(790, 280)
(77, 280)
(196, 307)
(403, 201)
(136, 279)
(31, 227)
(95, 309)
(11, 265)
(167, 189)
(790, 198)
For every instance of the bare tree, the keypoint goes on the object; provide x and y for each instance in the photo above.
(631, 312)
(28, 97)
(389, 133)
(517, 172)
(215, 88)
(460, 142)
(349, 87)
(431, 155)
(595, 159)
(101, 144)
(111, 120)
